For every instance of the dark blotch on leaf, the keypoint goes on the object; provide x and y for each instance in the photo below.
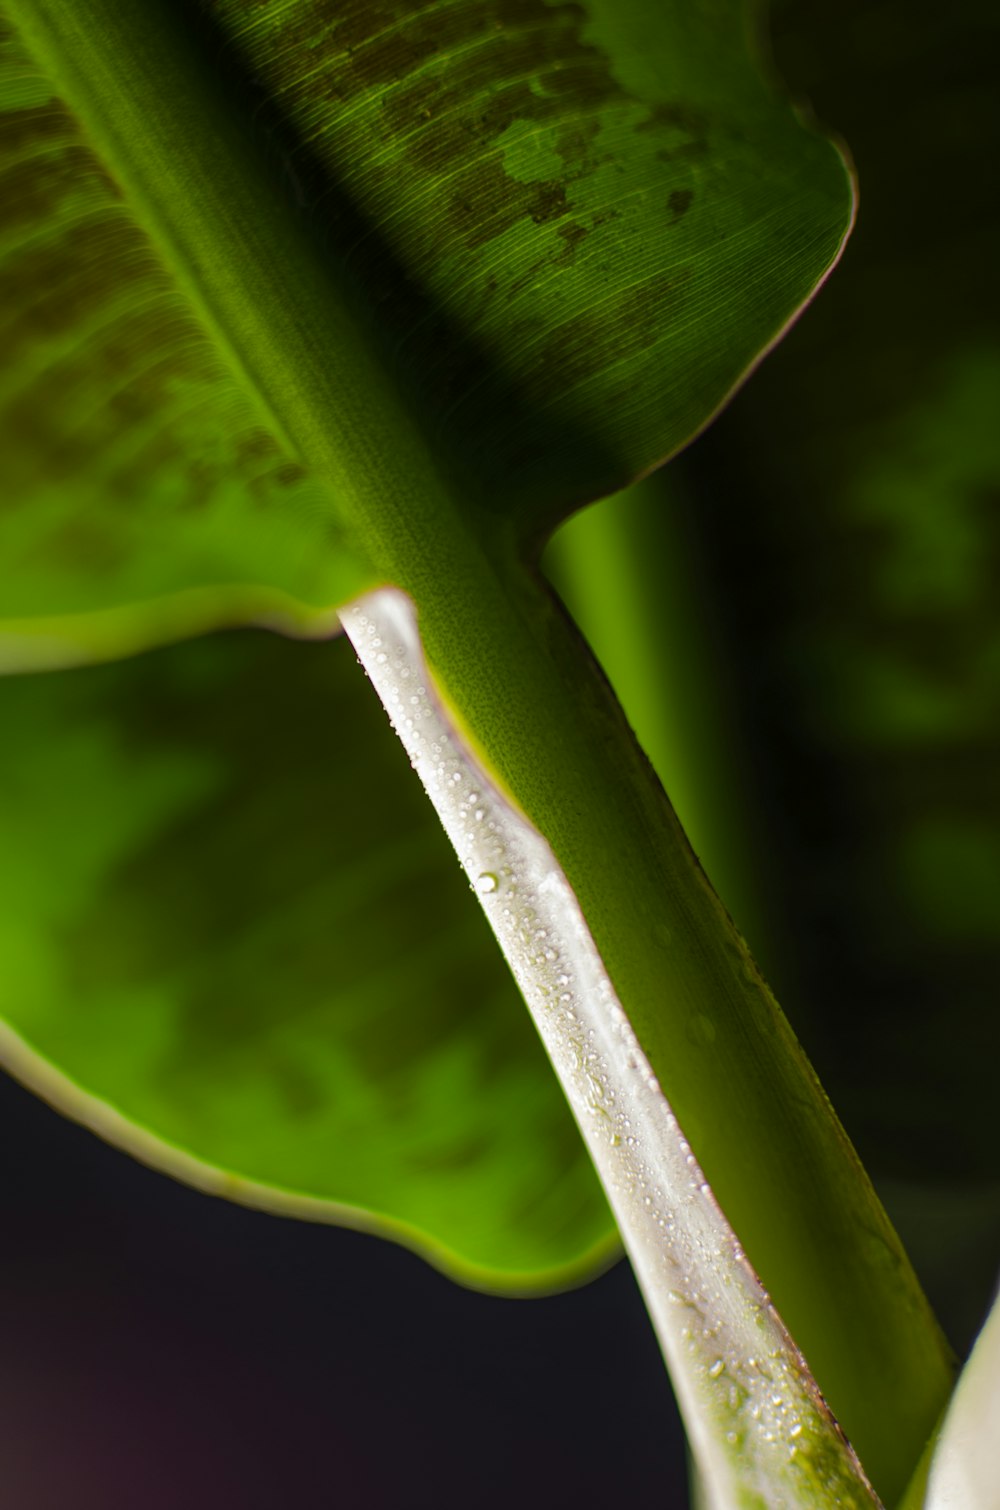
(680, 202)
(451, 161)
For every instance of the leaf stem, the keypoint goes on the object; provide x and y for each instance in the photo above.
(755, 1418)
(534, 706)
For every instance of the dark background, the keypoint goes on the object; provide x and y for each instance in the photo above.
(159, 1348)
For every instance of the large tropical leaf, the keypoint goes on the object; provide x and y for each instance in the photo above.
(274, 271)
(576, 224)
(273, 276)
(235, 940)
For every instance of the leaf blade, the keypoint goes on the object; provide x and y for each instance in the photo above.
(135, 466)
(420, 397)
(582, 223)
(244, 944)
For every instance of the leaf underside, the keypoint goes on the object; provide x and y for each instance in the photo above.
(575, 224)
(560, 233)
(516, 251)
(134, 464)
(228, 915)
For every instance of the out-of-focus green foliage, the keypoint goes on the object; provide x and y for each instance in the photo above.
(877, 531)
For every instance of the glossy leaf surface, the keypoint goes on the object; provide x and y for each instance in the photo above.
(229, 917)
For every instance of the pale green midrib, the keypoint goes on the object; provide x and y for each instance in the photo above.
(245, 260)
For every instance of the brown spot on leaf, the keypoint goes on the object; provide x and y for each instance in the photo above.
(522, 61)
(571, 235)
(35, 126)
(422, 135)
(680, 202)
(683, 130)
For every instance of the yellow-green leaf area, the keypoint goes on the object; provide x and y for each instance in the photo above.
(135, 466)
(231, 926)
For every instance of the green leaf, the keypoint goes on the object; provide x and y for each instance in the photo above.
(235, 941)
(578, 224)
(458, 390)
(135, 466)
(509, 255)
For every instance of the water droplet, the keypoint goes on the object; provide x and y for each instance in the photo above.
(486, 883)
